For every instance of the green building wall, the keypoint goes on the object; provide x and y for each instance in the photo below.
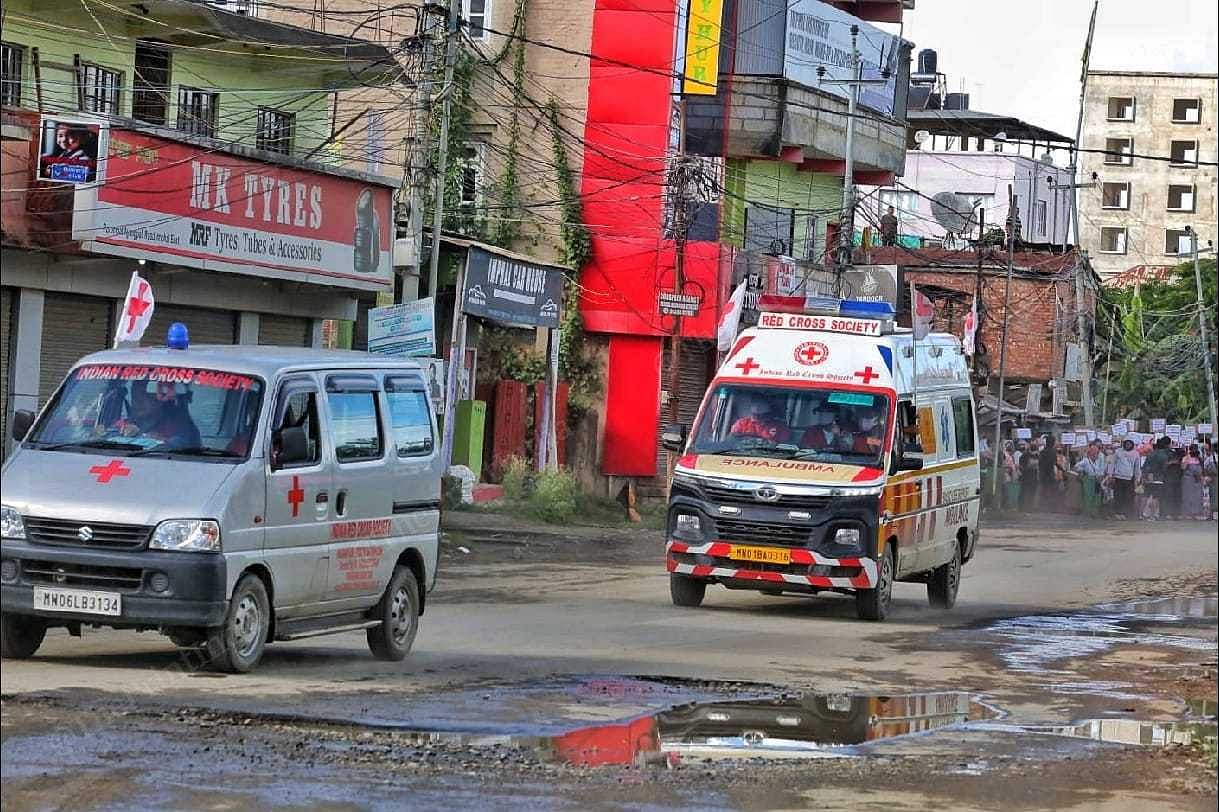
(782, 185)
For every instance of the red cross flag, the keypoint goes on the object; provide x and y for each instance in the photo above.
(137, 312)
(730, 321)
(922, 313)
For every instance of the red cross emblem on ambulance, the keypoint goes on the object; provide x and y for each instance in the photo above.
(811, 353)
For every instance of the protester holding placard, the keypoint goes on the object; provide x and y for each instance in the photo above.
(1192, 485)
(1123, 473)
(1210, 470)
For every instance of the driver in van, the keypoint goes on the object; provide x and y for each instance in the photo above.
(157, 413)
(759, 421)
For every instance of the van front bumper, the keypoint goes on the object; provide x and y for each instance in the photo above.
(192, 593)
(804, 570)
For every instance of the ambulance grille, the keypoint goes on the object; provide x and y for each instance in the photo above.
(102, 535)
(731, 496)
(58, 573)
(787, 535)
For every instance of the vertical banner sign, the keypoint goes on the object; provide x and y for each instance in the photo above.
(702, 47)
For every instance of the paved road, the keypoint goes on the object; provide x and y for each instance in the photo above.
(538, 630)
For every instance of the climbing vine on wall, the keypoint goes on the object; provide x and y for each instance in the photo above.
(509, 225)
(577, 244)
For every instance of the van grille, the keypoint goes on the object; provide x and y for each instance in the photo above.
(787, 535)
(731, 496)
(59, 573)
(68, 532)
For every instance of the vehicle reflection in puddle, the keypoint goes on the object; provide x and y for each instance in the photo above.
(1131, 731)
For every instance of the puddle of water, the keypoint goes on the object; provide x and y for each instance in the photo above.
(1130, 731)
(1170, 610)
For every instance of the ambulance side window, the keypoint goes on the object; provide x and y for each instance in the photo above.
(963, 418)
(908, 441)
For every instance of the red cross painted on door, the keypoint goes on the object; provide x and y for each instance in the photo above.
(866, 375)
(748, 366)
(109, 471)
(296, 495)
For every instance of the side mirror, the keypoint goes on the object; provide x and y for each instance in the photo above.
(905, 463)
(673, 438)
(293, 446)
(22, 420)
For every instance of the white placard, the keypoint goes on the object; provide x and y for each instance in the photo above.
(1067, 439)
(1158, 423)
(1104, 436)
(1120, 430)
(1024, 434)
(1204, 428)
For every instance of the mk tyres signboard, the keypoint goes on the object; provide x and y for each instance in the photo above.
(179, 203)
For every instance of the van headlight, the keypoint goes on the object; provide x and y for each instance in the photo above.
(187, 535)
(688, 526)
(11, 524)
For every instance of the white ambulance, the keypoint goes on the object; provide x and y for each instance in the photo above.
(832, 452)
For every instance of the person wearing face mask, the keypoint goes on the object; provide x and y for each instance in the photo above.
(868, 439)
(760, 422)
(826, 437)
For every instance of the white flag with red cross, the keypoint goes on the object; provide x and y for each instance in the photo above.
(137, 312)
(970, 332)
(730, 321)
(922, 313)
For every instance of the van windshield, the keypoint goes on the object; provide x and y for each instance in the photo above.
(828, 425)
(152, 410)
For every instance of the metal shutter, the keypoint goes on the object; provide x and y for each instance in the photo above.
(7, 299)
(285, 331)
(204, 326)
(72, 327)
(697, 358)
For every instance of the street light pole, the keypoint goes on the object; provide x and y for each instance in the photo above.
(1007, 300)
(846, 229)
(1206, 347)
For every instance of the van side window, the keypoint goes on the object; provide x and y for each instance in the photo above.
(409, 420)
(298, 409)
(908, 441)
(963, 420)
(355, 424)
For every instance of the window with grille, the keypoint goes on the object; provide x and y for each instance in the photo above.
(1119, 151)
(472, 175)
(1121, 108)
(1180, 197)
(275, 130)
(12, 59)
(477, 14)
(1186, 111)
(1184, 153)
(150, 85)
(1115, 196)
(1113, 240)
(1039, 215)
(100, 90)
(197, 111)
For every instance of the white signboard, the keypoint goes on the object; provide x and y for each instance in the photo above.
(406, 329)
(1104, 436)
(1173, 430)
(1204, 428)
(1158, 423)
(831, 324)
(1120, 430)
(1067, 439)
(1024, 434)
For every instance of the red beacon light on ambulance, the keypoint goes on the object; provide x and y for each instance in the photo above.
(826, 313)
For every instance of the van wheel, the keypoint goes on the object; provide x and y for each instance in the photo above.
(945, 581)
(398, 611)
(21, 635)
(873, 604)
(237, 646)
(686, 591)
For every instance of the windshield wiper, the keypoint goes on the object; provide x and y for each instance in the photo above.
(114, 444)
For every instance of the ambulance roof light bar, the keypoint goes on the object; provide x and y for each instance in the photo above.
(847, 315)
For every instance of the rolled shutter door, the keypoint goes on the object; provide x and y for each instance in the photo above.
(283, 331)
(72, 327)
(697, 357)
(205, 326)
(7, 300)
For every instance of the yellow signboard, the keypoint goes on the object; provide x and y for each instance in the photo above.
(703, 47)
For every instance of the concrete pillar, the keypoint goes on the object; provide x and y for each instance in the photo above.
(27, 350)
(315, 333)
(247, 328)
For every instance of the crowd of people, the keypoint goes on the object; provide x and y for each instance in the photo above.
(1120, 480)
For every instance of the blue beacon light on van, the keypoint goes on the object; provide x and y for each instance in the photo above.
(860, 309)
(177, 337)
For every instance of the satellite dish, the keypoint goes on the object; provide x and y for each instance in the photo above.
(953, 211)
(921, 136)
(1001, 136)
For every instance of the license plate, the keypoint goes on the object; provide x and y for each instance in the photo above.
(764, 555)
(79, 601)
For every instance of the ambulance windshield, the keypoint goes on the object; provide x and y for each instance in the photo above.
(827, 425)
(152, 410)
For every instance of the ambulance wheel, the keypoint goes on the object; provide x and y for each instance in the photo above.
(945, 581)
(21, 635)
(686, 591)
(398, 612)
(237, 646)
(873, 604)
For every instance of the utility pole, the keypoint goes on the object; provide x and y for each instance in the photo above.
(1007, 301)
(681, 226)
(1079, 124)
(979, 306)
(1081, 326)
(1206, 347)
(846, 229)
(450, 61)
(419, 155)
(1104, 401)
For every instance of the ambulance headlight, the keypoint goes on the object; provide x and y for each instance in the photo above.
(11, 524)
(187, 535)
(688, 526)
(847, 536)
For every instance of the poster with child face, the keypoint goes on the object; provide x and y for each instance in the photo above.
(68, 150)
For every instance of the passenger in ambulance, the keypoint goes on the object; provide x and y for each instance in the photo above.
(828, 436)
(759, 421)
(869, 437)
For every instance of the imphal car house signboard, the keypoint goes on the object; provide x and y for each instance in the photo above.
(511, 291)
(178, 203)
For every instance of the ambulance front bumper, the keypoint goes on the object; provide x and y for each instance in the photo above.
(156, 588)
(804, 569)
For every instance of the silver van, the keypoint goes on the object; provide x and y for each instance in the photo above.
(226, 496)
